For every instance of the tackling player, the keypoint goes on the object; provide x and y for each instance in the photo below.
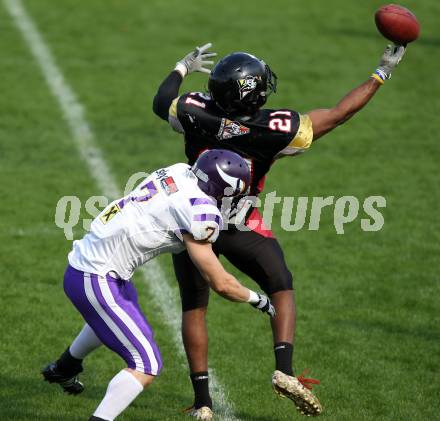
(173, 208)
(231, 116)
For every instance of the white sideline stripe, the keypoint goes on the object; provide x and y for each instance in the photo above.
(128, 321)
(93, 300)
(73, 111)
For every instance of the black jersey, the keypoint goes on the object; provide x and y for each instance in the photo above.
(260, 139)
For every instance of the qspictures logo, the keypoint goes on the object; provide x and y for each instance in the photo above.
(293, 213)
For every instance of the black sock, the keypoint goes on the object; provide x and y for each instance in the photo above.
(68, 364)
(283, 357)
(200, 384)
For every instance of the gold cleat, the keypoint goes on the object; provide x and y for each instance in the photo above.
(298, 391)
(204, 413)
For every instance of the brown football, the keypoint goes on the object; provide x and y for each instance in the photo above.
(397, 23)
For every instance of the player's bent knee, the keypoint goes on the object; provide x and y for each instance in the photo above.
(143, 378)
(152, 369)
(144, 358)
(281, 281)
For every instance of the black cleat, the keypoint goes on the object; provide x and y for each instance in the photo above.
(69, 383)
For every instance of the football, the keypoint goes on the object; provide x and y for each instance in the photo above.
(397, 23)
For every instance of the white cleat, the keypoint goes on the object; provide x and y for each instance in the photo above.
(291, 387)
(204, 413)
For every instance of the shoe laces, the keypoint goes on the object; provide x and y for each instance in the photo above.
(307, 382)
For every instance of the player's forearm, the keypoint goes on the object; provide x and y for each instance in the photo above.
(168, 90)
(228, 287)
(325, 120)
(355, 100)
(221, 281)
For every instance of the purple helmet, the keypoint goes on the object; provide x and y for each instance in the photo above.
(221, 173)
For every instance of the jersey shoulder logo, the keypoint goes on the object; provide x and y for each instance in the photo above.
(110, 213)
(169, 185)
(229, 128)
(166, 181)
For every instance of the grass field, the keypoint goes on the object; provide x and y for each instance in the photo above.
(368, 303)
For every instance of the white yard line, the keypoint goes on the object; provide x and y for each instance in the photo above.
(74, 114)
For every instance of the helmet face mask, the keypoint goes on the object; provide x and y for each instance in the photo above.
(240, 83)
(272, 81)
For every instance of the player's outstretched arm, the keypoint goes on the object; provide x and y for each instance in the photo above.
(195, 61)
(325, 120)
(222, 282)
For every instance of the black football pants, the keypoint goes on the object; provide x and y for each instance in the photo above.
(259, 257)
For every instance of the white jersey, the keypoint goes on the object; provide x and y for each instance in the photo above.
(147, 222)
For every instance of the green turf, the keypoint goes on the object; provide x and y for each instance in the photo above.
(368, 303)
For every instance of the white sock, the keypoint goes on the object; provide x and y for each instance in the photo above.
(121, 392)
(84, 343)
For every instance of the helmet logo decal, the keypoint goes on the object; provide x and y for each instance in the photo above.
(232, 181)
(247, 85)
(229, 128)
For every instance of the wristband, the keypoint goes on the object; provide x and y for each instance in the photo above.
(380, 76)
(254, 298)
(181, 68)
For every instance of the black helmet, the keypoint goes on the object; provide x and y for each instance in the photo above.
(240, 83)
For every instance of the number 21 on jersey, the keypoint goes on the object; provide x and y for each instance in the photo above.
(280, 124)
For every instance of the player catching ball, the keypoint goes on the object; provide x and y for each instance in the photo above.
(172, 209)
(230, 116)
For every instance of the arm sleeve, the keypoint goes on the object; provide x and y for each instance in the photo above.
(168, 90)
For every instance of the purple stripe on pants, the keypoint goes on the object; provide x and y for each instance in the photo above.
(111, 308)
(125, 296)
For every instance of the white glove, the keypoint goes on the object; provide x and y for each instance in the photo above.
(195, 61)
(390, 59)
(263, 304)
